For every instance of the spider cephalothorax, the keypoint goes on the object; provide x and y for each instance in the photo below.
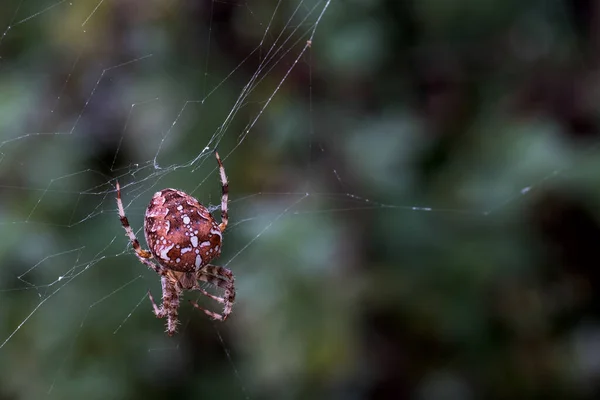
(183, 238)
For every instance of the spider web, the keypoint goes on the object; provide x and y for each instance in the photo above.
(146, 113)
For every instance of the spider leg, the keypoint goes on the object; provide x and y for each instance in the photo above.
(169, 306)
(218, 271)
(128, 231)
(216, 298)
(226, 282)
(158, 311)
(209, 313)
(224, 196)
(218, 282)
(142, 255)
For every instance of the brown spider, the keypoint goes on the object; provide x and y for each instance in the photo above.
(183, 238)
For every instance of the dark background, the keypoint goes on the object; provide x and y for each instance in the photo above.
(414, 214)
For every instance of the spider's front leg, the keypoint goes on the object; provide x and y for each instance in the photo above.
(142, 254)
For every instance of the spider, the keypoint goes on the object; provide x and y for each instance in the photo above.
(183, 238)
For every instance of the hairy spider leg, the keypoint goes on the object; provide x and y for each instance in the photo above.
(142, 255)
(158, 311)
(224, 196)
(170, 304)
(226, 282)
(215, 270)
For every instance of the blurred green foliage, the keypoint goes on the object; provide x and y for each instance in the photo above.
(413, 212)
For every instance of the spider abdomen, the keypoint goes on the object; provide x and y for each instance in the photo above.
(181, 233)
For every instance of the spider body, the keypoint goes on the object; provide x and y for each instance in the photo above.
(183, 238)
(181, 233)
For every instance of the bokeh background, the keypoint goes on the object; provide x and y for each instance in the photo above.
(414, 214)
